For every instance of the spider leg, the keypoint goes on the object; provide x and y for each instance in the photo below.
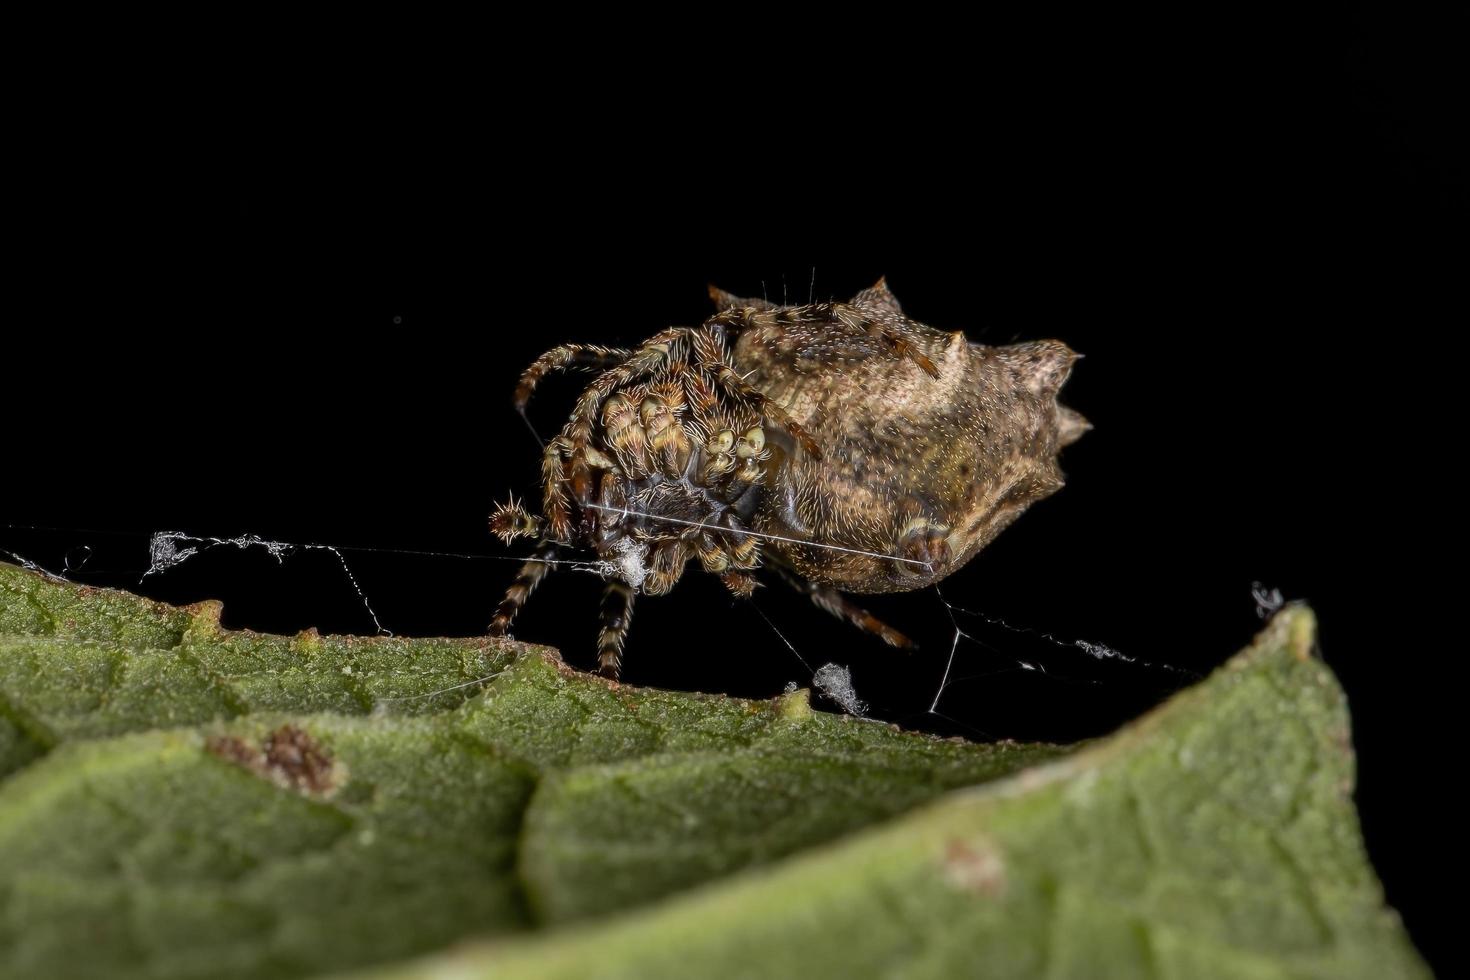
(834, 602)
(555, 505)
(622, 434)
(532, 572)
(742, 584)
(737, 386)
(743, 546)
(617, 616)
(808, 328)
(892, 336)
(742, 552)
(511, 521)
(668, 442)
(657, 351)
(714, 558)
(665, 567)
(713, 358)
(567, 356)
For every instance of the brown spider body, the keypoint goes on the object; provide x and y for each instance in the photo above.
(922, 461)
(852, 447)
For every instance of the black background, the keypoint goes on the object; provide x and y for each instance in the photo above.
(311, 334)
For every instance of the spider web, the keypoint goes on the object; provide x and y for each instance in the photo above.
(833, 681)
(164, 553)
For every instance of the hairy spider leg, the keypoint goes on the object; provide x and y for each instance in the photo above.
(744, 548)
(566, 459)
(744, 554)
(855, 319)
(894, 338)
(713, 356)
(738, 387)
(532, 572)
(831, 601)
(578, 430)
(665, 566)
(555, 504)
(617, 616)
(586, 357)
(741, 584)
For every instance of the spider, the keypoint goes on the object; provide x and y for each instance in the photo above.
(844, 445)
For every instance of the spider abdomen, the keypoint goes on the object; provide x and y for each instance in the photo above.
(919, 471)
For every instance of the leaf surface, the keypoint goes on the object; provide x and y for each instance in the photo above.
(181, 800)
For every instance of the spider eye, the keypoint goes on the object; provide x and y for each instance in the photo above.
(751, 443)
(721, 443)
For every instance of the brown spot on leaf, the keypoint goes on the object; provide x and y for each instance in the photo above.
(288, 756)
(300, 759)
(233, 749)
(975, 866)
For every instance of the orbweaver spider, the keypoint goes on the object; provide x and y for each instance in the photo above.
(845, 444)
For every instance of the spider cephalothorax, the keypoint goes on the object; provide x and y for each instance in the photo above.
(847, 445)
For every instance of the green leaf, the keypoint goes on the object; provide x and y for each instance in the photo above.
(182, 800)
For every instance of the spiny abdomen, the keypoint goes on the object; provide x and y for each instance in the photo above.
(923, 471)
